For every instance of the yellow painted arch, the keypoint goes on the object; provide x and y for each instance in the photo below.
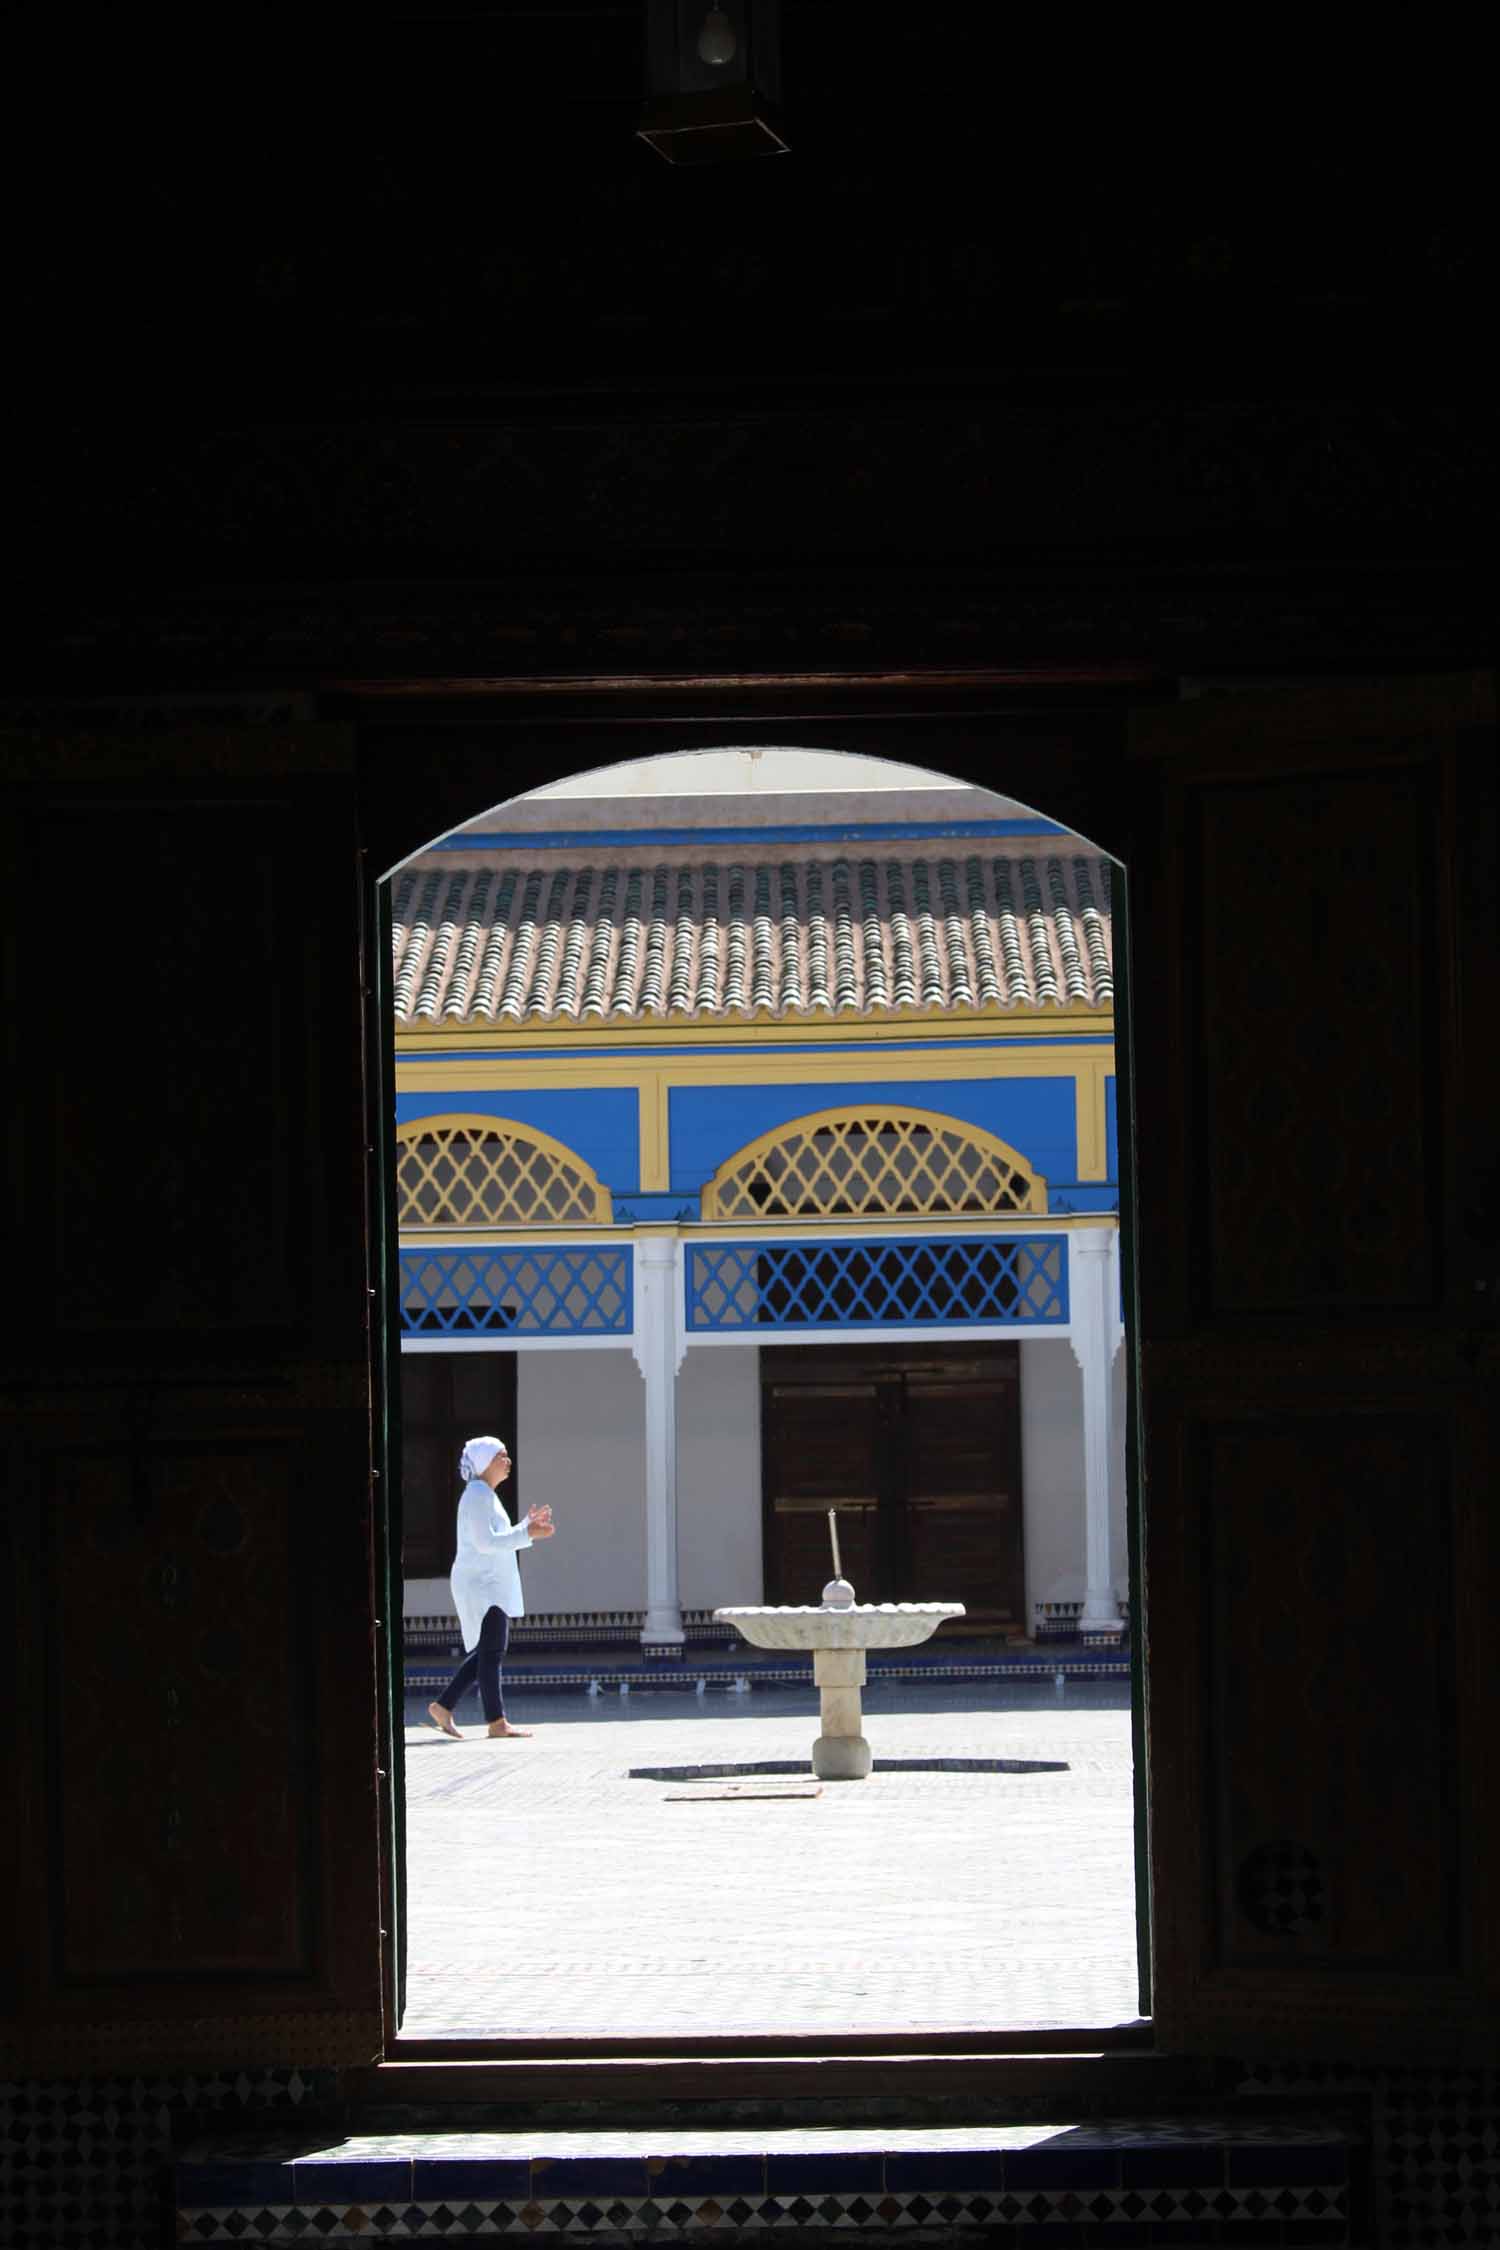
(536, 1162)
(958, 1163)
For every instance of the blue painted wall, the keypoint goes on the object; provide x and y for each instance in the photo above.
(709, 1123)
(1111, 1130)
(601, 1123)
(1037, 1116)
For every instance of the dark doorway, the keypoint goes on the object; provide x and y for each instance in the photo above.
(919, 1450)
(447, 1398)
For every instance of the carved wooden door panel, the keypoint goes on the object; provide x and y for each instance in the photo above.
(918, 1451)
(819, 1450)
(1313, 972)
(184, 1416)
(963, 1484)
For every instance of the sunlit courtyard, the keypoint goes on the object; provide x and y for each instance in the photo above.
(605, 1879)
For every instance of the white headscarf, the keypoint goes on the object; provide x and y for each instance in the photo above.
(477, 1456)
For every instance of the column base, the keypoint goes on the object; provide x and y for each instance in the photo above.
(662, 1636)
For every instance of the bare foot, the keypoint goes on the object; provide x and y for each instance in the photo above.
(442, 1718)
(498, 1727)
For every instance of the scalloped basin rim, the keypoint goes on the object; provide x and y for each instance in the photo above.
(854, 1609)
(864, 1625)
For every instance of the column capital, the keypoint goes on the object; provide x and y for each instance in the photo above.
(657, 1324)
(1093, 1242)
(641, 1345)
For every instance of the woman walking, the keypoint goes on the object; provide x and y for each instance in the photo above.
(486, 1583)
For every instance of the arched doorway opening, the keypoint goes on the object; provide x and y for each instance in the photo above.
(682, 1101)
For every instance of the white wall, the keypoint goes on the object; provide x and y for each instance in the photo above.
(718, 1477)
(581, 1444)
(426, 1597)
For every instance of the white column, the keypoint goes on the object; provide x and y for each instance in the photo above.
(1118, 1502)
(1093, 1322)
(659, 1344)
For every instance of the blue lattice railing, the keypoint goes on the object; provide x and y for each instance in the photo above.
(1007, 1283)
(568, 1292)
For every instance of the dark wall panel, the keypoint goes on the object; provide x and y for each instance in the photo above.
(1315, 1038)
(175, 1094)
(181, 1711)
(184, 1419)
(1311, 1016)
(183, 960)
(1332, 1781)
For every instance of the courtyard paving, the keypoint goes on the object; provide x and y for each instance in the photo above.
(552, 1890)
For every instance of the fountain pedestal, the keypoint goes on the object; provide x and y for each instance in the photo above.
(841, 1752)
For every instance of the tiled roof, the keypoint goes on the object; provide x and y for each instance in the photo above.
(680, 934)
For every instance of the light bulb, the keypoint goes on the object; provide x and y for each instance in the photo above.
(716, 41)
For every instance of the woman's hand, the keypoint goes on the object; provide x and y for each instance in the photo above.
(539, 1522)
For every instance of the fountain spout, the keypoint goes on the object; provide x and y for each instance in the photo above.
(838, 1593)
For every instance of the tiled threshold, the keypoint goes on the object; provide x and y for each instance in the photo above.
(1189, 2180)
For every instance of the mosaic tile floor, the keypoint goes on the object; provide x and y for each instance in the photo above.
(554, 1887)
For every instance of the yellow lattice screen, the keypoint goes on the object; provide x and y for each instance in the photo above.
(482, 1171)
(873, 1164)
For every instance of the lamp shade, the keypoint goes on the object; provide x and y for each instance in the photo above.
(713, 80)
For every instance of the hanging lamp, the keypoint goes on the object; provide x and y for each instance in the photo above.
(713, 80)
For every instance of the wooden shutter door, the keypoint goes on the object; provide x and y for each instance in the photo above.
(1314, 1001)
(962, 1465)
(184, 1417)
(819, 1450)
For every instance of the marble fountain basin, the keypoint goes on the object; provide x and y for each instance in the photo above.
(856, 1625)
(838, 1632)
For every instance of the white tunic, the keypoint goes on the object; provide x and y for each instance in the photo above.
(486, 1574)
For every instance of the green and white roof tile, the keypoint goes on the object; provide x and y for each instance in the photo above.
(678, 934)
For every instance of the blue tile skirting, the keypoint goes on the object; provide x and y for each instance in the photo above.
(1271, 2181)
(578, 1660)
(1187, 2222)
(426, 1672)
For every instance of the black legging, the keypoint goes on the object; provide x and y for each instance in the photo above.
(482, 1663)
